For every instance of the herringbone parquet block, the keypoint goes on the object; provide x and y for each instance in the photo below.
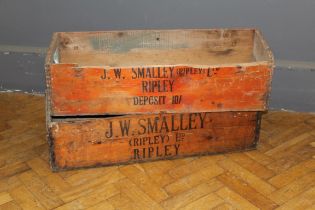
(280, 174)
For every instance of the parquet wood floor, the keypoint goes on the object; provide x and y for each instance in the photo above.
(278, 175)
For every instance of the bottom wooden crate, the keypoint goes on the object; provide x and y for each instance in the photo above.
(103, 140)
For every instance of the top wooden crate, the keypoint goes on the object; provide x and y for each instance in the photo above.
(153, 71)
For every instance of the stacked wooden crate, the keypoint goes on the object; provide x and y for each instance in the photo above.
(131, 96)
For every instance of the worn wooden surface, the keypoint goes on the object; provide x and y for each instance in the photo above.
(95, 73)
(158, 47)
(278, 175)
(138, 138)
(86, 91)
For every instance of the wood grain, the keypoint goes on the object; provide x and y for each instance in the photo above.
(153, 71)
(189, 183)
(84, 91)
(138, 138)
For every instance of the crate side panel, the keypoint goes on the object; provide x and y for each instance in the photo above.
(157, 47)
(139, 138)
(97, 91)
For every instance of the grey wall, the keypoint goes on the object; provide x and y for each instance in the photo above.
(288, 26)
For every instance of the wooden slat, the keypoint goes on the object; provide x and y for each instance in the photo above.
(138, 138)
(158, 47)
(98, 184)
(47, 197)
(191, 195)
(82, 91)
(257, 183)
(235, 199)
(251, 165)
(91, 199)
(246, 191)
(207, 202)
(5, 198)
(133, 192)
(26, 199)
(193, 179)
(302, 201)
(295, 172)
(143, 181)
(294, 188)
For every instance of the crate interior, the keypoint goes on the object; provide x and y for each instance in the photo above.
(161, 47)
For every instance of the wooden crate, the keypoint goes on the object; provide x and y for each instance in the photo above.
(132, 96)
